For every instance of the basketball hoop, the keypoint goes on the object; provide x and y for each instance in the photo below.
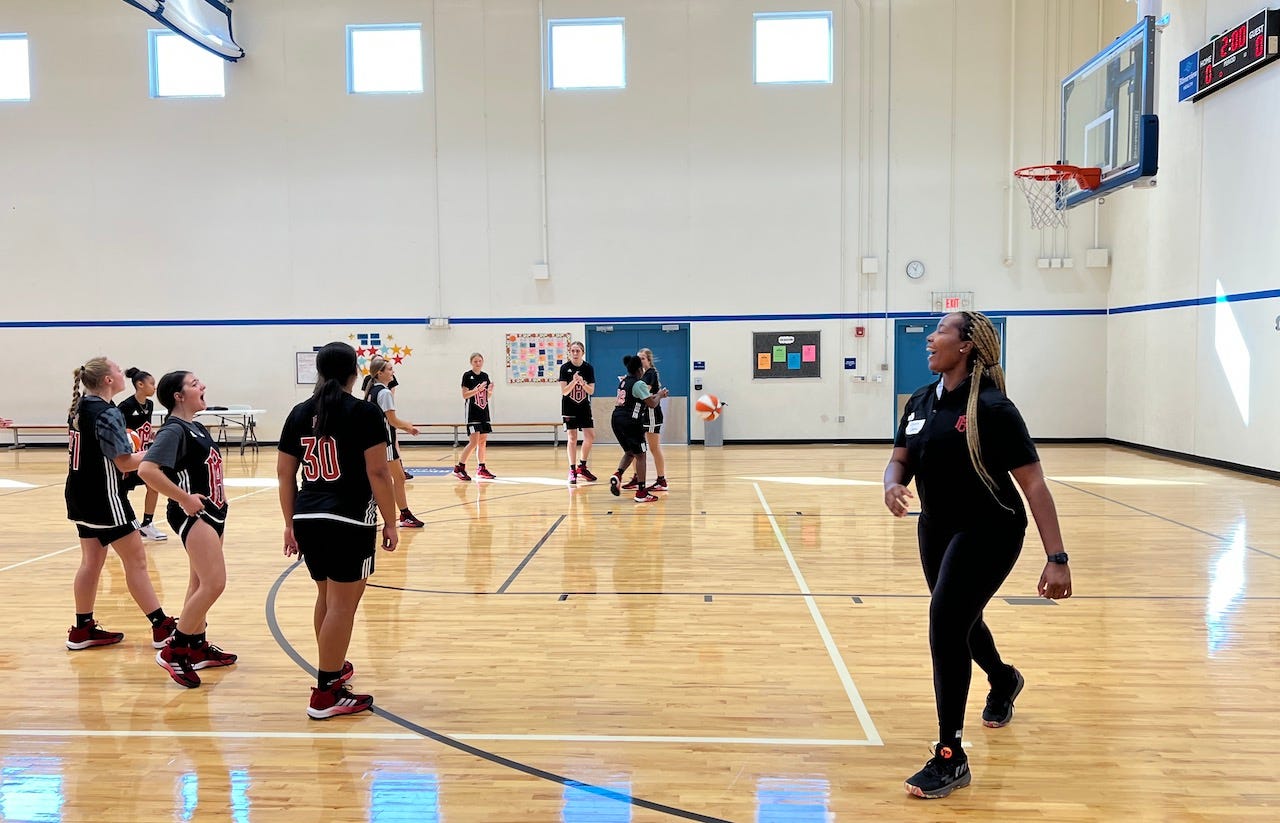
(1040, 186)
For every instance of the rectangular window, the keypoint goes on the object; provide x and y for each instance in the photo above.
(794, 47)
(384, 59)
(586, 54)
(180, 68)
(15, 68)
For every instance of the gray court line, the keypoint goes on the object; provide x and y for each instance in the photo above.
(533, 771)
(503, 588)
(870, 595)
(1165, 519)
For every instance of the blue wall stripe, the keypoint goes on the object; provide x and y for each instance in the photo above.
(1266, 294)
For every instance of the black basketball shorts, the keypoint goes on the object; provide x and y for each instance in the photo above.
(336, 550)
(630, 434)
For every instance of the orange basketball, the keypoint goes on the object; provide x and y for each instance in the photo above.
(708, 407)
(135, 439)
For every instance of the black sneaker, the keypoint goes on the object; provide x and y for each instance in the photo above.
(999, 709)
(945, 772)
(615, 483)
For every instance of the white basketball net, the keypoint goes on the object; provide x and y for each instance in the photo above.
(1041, 191)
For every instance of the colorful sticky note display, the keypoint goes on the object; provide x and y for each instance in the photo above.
(779, 354)
(763, 361)
(809, 353)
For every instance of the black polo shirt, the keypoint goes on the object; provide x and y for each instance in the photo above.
(951, 491)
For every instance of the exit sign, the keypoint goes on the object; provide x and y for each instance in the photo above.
(951, 304)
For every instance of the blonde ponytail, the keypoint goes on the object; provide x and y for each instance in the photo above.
(91, 375)
(73, 413)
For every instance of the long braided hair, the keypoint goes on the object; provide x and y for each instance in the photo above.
(984, 359)
(91, 375)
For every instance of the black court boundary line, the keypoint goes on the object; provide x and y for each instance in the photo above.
(503, 588)
(497, 759)
(1187, 526)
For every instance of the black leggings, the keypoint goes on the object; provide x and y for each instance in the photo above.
(964, 570)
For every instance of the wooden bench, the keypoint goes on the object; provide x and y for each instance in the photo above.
(32, 428)
(513, 428)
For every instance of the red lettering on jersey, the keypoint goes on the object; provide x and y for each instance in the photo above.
(578, 393)
(214, 463)
(962, 423)
(320, 459)
(73, 449)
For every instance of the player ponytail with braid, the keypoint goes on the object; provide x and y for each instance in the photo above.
(90, 375)
(984, 360)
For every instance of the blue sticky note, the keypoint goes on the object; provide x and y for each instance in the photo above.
(793, 360)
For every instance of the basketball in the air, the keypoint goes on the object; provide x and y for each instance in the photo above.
(708, 407)
(135, 439)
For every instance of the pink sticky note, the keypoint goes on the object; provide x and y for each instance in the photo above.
(809, 353)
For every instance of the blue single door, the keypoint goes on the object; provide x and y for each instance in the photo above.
(606, 345)
(910, 360)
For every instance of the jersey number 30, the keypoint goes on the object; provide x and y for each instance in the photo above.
(320, 459)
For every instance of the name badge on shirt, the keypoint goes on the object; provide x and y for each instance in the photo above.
(914, 427)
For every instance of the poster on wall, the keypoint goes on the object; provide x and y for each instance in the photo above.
(536, 358)
(304, 366)
(786, 354)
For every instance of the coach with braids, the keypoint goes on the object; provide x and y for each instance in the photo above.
(961, 438)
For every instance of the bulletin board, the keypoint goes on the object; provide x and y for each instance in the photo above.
(536, 358)
(786, 354)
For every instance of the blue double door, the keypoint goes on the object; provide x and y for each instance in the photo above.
(607, 343)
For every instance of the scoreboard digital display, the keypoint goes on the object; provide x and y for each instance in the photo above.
(1231, 55)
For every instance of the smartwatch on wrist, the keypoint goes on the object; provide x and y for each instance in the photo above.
(1059, 558)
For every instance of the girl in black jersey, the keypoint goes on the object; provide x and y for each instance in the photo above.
(184, 463)
(577, 384)
(378, 392)
(961, 438)
(478, 392)
(629, 418)
(341, 445)
(653, 431)
(138, 410)
(99, 453)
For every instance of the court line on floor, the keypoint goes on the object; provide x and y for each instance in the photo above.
(859, 708)
(1188, 526)
(503, 588)
(467, 748)
(510, 738)
(77, 545)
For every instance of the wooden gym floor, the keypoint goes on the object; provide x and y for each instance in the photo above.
(752, 648)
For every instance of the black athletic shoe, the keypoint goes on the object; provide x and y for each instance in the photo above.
(615, 484)
(945, 772)
(999, 709)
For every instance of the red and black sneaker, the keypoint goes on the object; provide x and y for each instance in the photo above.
(336, 700)
(460, 472)
(573, 476)
(485, 474)
(585, 473)
(177, 662)
(408, 521)
(659, 485)
(208, 656)
(348, 671)
(90, 635)
(615, 483)
(645, 497)
(633, 483)
(162, 632)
